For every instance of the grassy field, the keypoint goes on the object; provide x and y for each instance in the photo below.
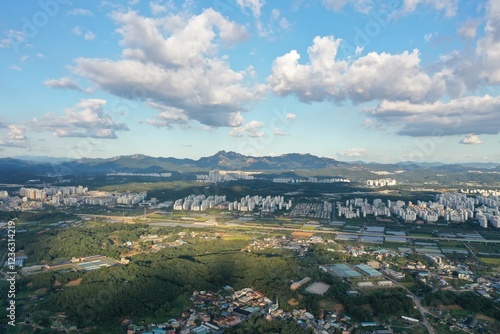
(308, 228)
(491, 260)
(485, 248)
(394, 245)
(408, 284)
(451, 245)
(237, 237)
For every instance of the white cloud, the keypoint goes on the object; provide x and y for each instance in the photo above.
(316, 81)
(291, 116)
(371, 77)
(277, 132)
(284, 24)
(275, 24)
(378, 76)
(471, 139)
(15, 68)
(471, 114)
(86, 119)
(157, 8)
(12, 39)
(89, 36)
(449, 7)
(251, 129)
(81, 12)
(362, 6)
(275, 14)
(16, 137)
(167, 115)
(176, 65)
(427, 37)
(255, 6)
(469, 28)
(63, 83)
(354, 152)
(488, 47)
(77, 31)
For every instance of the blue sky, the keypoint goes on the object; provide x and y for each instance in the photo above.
(370, 80)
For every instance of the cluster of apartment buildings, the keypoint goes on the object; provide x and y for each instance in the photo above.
(483, 208)
(452, 207)
(35, 198)
(359, 207)
(245, 204)
(215, 176)
(111, 199)
(381, 182)
(488, 211)
(313, 210)
(40, 194)
(310, 179)
(198, 202)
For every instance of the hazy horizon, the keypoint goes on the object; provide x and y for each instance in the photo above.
(51, 158)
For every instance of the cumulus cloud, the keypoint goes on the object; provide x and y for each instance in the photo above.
(251, 129)
(371, 77)
(290, 116)
(174, 62)
(471, 139)
(16, 137)
(378, 76)
(471, 114)
(488, 47)
(86, 119)
(64, 83)
(354, 152)
(317, 81)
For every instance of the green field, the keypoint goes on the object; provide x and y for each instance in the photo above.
(308, 228)
(491, 260)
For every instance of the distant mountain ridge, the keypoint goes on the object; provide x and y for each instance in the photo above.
(221, 160)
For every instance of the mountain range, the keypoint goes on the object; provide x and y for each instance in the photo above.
(221, 160)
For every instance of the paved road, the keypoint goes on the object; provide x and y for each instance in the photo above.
(421, 309)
